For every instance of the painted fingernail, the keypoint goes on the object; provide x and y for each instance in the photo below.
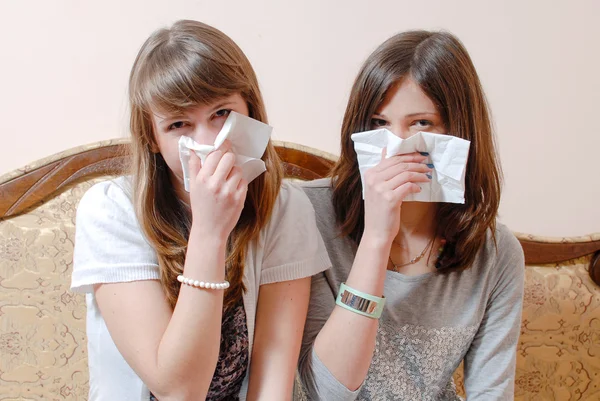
(430, 165)
(424, 153)
(428, 175)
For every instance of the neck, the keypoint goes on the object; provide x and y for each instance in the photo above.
(180, 191)
(417, 219)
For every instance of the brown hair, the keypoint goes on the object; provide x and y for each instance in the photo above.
(439, 63)
(177, 68)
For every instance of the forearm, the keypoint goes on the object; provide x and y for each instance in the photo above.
(190, 344)
(281, 315)
(272, 372)
(346, 342)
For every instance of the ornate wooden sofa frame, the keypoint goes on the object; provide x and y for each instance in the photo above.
(42, 324)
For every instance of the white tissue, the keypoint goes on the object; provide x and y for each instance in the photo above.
(248, 138)
(447, 153)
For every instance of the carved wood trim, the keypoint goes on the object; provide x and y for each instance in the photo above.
(548, 252)
(40, 184)
(303, 165)
(26, 190)
(545, 252)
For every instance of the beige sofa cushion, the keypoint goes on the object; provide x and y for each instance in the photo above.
(43, 352)
(558, 354)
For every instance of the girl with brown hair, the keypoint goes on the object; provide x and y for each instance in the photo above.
(420, 286)
(173, 278)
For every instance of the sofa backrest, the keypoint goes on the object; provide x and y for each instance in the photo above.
(42, 324)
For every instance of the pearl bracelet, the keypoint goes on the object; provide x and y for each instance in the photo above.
(201, 284)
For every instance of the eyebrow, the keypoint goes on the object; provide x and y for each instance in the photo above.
(217, 106)
(423, 113)
(379, 115)
(411, 115)
(169, 118)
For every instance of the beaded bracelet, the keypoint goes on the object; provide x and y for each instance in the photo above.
(201, 284)
(359, 302)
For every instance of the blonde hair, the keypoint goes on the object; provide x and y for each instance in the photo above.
(186, 65)
(439, 63)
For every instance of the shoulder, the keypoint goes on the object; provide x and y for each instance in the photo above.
(503, 253)
(109, 244)
(291, 200)
(293, 247)
(292, 211)
(318, 191)
(321, 183)
(111, 196)
(507, 245)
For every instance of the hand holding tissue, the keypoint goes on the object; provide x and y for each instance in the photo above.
(447, 153)
(248, 137)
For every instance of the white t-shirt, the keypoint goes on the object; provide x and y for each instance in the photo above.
(110, 248)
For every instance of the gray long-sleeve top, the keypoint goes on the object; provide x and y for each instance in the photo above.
(430, 323)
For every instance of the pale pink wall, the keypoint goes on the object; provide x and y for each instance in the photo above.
(64, 67)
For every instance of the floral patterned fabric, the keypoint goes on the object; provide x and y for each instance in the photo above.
(42, 324)
(43, 352)
(558, 355)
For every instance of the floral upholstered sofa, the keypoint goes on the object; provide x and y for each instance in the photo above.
(42, 324)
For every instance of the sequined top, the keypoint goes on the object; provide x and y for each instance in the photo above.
(233, 357)
(430, 322)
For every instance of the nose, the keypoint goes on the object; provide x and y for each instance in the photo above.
(400, 132)
(204, 134)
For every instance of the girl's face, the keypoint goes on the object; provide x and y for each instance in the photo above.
(407, 110)
(201, 123)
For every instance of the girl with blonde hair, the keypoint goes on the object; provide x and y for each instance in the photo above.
(173, 278)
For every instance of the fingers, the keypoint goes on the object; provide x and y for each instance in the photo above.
(242, 190)
(233, 180)
(222, 175)
(414, 157)
(406, 177)
(194, 164)
(396, 169)
(224, 167)
(218, 162)
(393, 179)
(236, 185)
(225, 146)
(406, 189)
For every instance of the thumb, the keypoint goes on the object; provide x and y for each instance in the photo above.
(383, 153)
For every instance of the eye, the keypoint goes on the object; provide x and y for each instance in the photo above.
(423, 123)
(176, 125)
(222, 113)
(378, 122)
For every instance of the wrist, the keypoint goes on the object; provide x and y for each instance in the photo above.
(201, 234)
(205, 256)
(376, 240)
